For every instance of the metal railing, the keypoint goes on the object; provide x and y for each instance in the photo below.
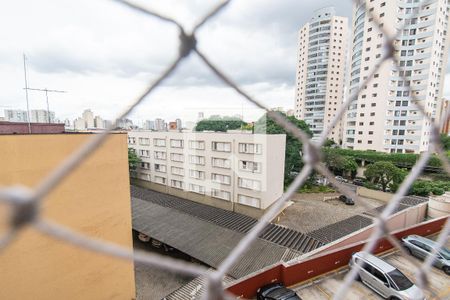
(24, 202)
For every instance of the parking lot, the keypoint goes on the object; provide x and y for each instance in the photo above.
(309, 212)
(324, 288)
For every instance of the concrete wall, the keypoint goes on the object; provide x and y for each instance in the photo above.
(373, 194)
(94, 200)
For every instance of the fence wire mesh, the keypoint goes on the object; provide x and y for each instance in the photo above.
(24, 203)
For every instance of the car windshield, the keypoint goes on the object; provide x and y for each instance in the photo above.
(400, 280)
(445, 253)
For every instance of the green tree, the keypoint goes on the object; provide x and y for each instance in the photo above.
(293, 159)
(219, 124)
(384, 173)
(133, 159)
(329, 143)
(339, 163)
(445, 140)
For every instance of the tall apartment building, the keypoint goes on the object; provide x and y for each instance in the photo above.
(234, 171)
(88, 117)
(321, 67)
(383, 117)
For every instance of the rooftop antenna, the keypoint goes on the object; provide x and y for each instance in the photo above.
(26, 91)
(46, 97)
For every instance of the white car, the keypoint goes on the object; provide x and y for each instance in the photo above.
(383, 278)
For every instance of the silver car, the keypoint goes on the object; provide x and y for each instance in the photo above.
(421, 247)
(384, 278)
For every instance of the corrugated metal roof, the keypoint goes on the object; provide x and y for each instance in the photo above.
(238, 222)
(340, 229)
(405, 203)
(203, 240)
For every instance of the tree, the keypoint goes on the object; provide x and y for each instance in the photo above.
(385, 173)
(293, 159)
(133, 160)
(219, 124)
(329, 143)
(445, 140)
(339, 163)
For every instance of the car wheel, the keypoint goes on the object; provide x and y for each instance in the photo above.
(446, 270)
(408, 250)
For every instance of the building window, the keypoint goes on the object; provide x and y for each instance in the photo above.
(195, 188)
(177, 171)
(145, 165)
(251, 184)
(196, 174)
(160, 168)
(250, 148)
(220, 178)
(197, 160)
(131, 140)
(224, 195)
(221, 163)
(251, 166)
(197, 145)
(144, 141)
(144, 153)
(221, 146)
(160, 155)
(159, 142)
(160, 180)
(176, 143)
(250, 201)
(177, 157)
(178, 184)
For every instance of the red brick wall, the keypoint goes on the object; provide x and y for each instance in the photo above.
(22, 128)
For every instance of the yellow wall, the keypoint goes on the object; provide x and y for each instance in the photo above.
(93, 200)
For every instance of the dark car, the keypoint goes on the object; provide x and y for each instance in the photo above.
(276, 291)
(358, 182)
(346, 200)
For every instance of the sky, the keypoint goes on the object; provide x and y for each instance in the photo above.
(105, 54)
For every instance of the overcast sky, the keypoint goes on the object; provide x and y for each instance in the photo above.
(104, 55)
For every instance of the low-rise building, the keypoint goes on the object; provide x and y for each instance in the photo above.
(234, 171)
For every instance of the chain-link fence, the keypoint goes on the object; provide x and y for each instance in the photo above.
(25, 203)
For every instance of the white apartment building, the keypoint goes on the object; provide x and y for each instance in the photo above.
(42, 116)
(16, 115)
(234, 171)
(88, 117)
(383, 117)
(321, 68)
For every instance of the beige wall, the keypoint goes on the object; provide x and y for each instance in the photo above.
(373, 194)
(93, 200)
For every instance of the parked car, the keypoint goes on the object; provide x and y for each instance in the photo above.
(341, 179)
(421, 247)
(383, 278)
(358, 182)
(346, 200)
(276, 291)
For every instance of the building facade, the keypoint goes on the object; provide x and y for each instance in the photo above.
(239, 172)
(321, 68)
(94, 201)
(383, 117)
(42, 116)
(16, 115)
